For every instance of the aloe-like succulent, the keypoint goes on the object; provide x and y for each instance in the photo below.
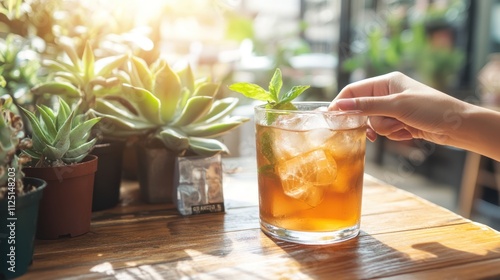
(84, 78)
(170, 107)
(11, 141)
(60, 138)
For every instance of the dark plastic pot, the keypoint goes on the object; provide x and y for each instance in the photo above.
(66, 206)
(22, 231)
(108, 176)
(130, 166)
(156, 174)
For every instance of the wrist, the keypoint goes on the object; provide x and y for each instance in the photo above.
(479, 131)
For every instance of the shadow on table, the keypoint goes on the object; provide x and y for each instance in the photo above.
(368, 257)
(359, 258)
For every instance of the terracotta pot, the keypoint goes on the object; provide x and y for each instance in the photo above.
(66, 206)
(108, 176)
(26, 214)
(156, 174)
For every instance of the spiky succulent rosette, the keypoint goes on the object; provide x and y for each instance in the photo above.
(136, 99)
(170, 107)
(60, 138)
(84, 78)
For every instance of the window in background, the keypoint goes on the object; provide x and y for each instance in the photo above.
(300, 37)
(424, 39)
(495, 22)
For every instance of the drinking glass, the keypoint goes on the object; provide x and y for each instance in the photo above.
(310, 172)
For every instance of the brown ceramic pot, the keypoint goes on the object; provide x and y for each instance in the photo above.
(66, 206)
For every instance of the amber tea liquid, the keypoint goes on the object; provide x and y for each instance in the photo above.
(310, 181)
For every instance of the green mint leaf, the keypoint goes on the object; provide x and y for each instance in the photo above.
(293, 93)
(267, 151)
(252, 91)
(284, 106)
(271, 117)
(273, 96)
(268, 170)
(276, 84)
(267, 147)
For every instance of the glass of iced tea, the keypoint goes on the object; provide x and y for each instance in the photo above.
(310, 170)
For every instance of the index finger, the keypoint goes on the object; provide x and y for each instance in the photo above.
(376, 86)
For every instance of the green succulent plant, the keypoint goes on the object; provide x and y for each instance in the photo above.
(11, 141)
(60, 138)
(84, 79)
(170, 107)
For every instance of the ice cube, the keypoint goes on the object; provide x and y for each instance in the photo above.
(318, 137)
(312, 121)
(291, 140)
(346, 143)
(339, 120)
(304, 177)
(304, 121)
(304, 191)
(288, 144)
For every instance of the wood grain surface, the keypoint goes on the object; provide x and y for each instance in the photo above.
(402, 237)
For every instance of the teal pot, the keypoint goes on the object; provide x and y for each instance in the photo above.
(17, 233)
(66, 206)
(156, 174)
(108, 176)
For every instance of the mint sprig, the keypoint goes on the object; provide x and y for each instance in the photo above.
(273, 96)
(275, 100)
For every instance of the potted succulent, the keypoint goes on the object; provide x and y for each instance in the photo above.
(60, 154)
(19, 196)
(87, 79)
(177, 115)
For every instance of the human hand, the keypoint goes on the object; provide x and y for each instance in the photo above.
(401, 108)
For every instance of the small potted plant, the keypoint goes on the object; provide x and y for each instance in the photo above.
(60, 154)
(177, 115)
(86, 80)
(19, 196)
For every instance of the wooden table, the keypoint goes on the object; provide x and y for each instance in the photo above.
(403, 237)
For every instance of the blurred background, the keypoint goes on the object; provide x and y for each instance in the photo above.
(448, 44)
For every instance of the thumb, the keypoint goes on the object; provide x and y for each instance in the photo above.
(379, 105)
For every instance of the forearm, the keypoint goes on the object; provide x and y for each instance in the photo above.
(478, 131)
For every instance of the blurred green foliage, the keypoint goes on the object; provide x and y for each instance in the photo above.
(19, 65)
(422, 46)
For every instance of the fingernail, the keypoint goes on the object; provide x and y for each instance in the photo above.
(346, 104)
(371, 134)
(394, 125)
(404, 135)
